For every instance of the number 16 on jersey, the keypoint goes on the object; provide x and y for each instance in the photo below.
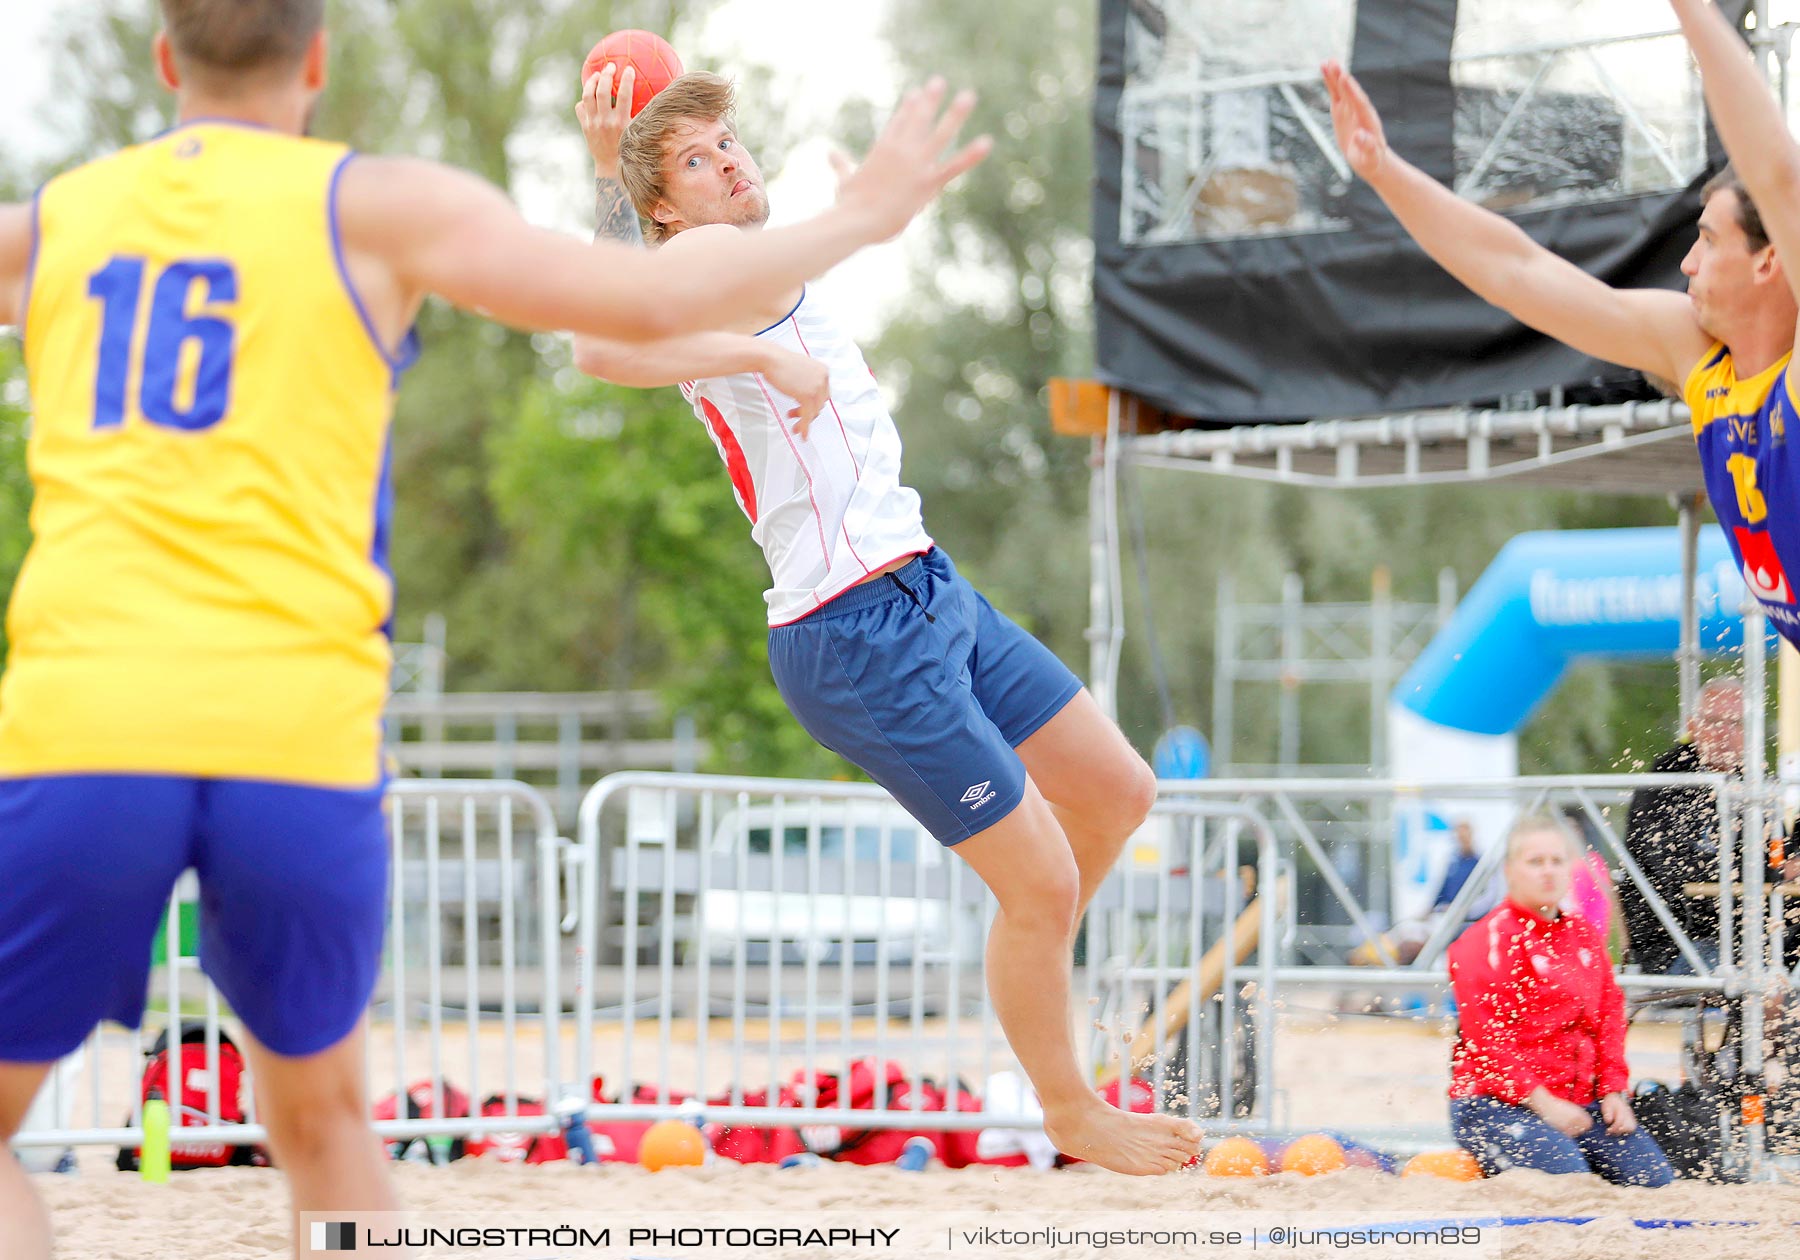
(167, 332)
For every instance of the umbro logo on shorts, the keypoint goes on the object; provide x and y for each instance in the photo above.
(979, 795)
(334, 1236)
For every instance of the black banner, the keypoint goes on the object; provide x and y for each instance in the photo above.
(1269, 287)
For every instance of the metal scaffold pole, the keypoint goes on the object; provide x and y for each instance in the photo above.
(1687, 655)
(1224, 671)
(1753, 856)
(1099, 631)
(1105, 629)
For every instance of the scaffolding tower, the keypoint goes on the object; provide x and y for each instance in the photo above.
(1295, 645)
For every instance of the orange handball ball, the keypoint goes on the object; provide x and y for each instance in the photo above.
(1312, 1155)
(1456, 1165)
(672, 1144)
(1237, 1157)
(650, 55)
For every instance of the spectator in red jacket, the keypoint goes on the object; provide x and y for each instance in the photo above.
(1538, 1076)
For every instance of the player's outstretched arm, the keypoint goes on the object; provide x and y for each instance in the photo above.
(903, 172)
(444, 231)
(1750, 124)
(1652, 330)
(15, 259)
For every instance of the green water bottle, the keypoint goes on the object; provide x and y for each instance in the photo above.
(153, 1165)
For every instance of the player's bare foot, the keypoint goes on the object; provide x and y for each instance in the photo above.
(1136, 1144)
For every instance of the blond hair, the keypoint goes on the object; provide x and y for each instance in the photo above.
(1542, 824)
(689, 102)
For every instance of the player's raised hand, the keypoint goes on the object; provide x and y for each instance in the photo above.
(907, 167)
(804, 379)
(1358, 127)
(603, 115)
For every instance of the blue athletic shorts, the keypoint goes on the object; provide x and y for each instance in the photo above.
(928, 691)
(293, 885)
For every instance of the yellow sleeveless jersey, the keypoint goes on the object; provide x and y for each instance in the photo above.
(206, 591)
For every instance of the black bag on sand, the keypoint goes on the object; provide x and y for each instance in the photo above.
(1686, 1126)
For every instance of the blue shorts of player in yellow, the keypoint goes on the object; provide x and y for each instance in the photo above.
(925, 686)
(293, 885)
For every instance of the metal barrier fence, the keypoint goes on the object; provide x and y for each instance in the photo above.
(821, 925)
(463, 853)
(557, 741)
(731, 936)
(717, 921)
(1749, 945)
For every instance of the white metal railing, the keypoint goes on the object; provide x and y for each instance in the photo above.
(735, 935)
(1750, 946)
(423, 1023)
(1486, 444)
(819, 924)
(558, 741)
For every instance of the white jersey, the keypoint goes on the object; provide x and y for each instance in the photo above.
(827, 510)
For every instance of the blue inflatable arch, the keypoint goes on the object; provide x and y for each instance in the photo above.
(1552, 598)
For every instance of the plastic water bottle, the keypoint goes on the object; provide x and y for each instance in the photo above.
(801, 1159)
(572, 1111)
(693, 1112)
(153, 1165)
(916, 1154)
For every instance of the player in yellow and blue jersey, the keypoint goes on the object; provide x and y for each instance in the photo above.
(1724, 346)
(214, 324)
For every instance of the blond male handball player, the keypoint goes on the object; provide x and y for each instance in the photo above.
(884, 653)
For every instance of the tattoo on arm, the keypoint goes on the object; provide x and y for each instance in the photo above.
(615, 214)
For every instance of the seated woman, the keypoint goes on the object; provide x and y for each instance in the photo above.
(1538, 1077)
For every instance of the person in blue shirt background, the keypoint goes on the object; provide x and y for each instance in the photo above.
(1462, 865)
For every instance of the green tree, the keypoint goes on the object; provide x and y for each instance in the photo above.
(1003, 303)
(15, 488)
(1000, 305)
(619, 506)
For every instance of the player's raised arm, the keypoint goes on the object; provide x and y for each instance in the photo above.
(603, 127)
(15, 259)
(1749, 121)
(1652, 330)
(447, 232)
